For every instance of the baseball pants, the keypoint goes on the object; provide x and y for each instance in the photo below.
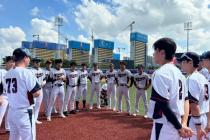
(3, 109)
(164, 131)
(95, 88)
(38, 102)
(111, 92)
(56, 91)
(123, 91)
(141, 93)
(46, 96)
(22, 124)
(70, 95)
(82, 92)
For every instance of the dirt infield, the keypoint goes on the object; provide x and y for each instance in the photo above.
(92, 125)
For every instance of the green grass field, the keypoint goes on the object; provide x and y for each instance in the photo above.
(132, 99)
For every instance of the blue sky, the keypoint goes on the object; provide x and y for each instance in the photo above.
(106, 18)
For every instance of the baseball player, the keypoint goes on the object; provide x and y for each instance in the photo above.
(123, 79)
(21, 87)
(9, 63)
(142, 83)
(167, 99)
(82, 86)
(58, 75)
(40, 75)
(202, 69)
(111, 86)
(95, 77)
(198, 95)
(72, 83)
(206, 63)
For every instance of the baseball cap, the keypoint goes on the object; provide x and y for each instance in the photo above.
(58, 61)
(20, 53)
(123, 62)
(206, 55)
(190, 56)
(37, 60)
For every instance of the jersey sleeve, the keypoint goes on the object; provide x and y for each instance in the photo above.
(32, 84)
(160, 88)
(129, 74)
(193, 91)
(101, 73)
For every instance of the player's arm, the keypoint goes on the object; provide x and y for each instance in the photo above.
(148, 83)
(132, 81)
(194, 107)
(101, 75)
(78, 81)
(129, 79)
(89, 76)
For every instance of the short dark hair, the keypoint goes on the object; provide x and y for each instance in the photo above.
(168, 45)
(73, 64)
(140, 66)
(8, 58)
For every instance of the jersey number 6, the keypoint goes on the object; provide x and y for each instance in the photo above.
(13, 82)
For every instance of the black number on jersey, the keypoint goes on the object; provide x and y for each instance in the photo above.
(206, 94)
(180, 90)
(11, 82)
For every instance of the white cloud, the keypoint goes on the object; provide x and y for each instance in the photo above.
(35, 11)
(10, 38)
(156, 18)
(65, 1)
(44, 29)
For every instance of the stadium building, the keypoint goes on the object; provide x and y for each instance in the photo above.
(79, 52)
(45, 50)
(103, 52)
(116, 56)
(138, 51)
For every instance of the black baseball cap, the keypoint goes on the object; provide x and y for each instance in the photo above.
(58, 61)
(36, 60)
(123, 62)
(190, 56)
(20, 53)
(206, 55)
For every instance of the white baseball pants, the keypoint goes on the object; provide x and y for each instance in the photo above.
(141, 93)
(70, 96)
(111, 92)
(38, 102)
(95, 88)
(82, 92)
(123, 91)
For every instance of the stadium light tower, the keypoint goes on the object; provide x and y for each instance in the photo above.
(188, 27)
(58, 23)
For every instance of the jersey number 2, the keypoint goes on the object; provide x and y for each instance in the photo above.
(206, 92)
(11, 82)
(180, 90)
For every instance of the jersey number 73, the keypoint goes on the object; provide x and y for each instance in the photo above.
(11, 85)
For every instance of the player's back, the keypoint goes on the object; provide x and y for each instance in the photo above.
(18, 84)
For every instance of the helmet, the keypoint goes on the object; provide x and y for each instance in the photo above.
(20, 53)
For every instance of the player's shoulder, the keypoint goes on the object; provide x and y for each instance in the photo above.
(197, 76)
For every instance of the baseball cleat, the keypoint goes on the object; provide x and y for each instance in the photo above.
(114, 109)
(73, 112)
(119, 111)
(145, 116)
(48, 119)
(134, 114)
(62, 116)
(98, 107)
(38, 122)
(65, 113)
(91, 108)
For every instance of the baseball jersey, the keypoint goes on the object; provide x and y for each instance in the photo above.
(56, 74)
(40, 75)
(3, 72)
(72, 77)
(95, 75)
(20, 85)
(111, 75)
(204, 72)
(141, 79)
(167, 86)
(83, 77)
(122, 76)
(198, 91)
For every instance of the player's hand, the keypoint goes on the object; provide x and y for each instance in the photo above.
(207, 128)
(200, 133)
(185, 132)
(1, 100)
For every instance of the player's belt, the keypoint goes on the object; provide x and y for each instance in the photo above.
(123, 85)
(59, 85)
(72, 85)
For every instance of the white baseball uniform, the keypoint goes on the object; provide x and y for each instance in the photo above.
(20, 86)
(204, 71)
(47, 88)
(141, 83)
(95, 86)
(4, 106)
(167, 93)
(40, 75)
(198, 93)
(123, 90)
(111, 88)
(82, 91)
(57, 90)
(72, 78)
